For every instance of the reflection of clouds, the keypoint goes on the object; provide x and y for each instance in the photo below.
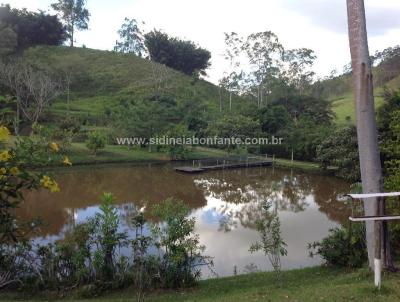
(231, 249)
(226, 205)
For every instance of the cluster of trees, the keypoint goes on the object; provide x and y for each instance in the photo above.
(159, 47)
(260, 67)
(20, 29)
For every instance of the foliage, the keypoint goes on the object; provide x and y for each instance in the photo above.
(131, 39)
(23, 29)
(74, 14)
(106, 238)
(178, 54)
(146, 118)
(340, 149)
(32, 87)
(15, 179)
(144, 266)
(234, 126)
(180, 247)
(271, 242)
(90, 255)
(96, 141)
(178, 150)
(343, 247)
(317, 110)
(273, 119)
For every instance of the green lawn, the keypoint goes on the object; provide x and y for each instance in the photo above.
(79, 154)
(310, 284)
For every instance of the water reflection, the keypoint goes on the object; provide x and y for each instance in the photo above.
(226, 205)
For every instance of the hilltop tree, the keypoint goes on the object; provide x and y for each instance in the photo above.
(178, 54)
(74, 14)
(20, 29)
(131, 38)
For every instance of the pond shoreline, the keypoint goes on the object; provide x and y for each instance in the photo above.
(318, 283)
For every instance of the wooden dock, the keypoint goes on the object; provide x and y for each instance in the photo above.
(199, 169)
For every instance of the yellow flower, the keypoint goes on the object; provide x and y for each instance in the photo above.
(5, 155)
(54, 147)
(50, 184)
(66, 161)
(15, 171)
(4, 133)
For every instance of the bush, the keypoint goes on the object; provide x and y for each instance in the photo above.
(96, 141)
(343, 247)
(90, 259)
(182, 252)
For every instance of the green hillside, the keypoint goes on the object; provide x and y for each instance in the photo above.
(101, 79)
(343, 102)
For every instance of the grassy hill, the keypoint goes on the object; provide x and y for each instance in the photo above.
(101, 79)
(343, 102)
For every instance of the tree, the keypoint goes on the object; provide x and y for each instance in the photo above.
(264, 52)
(32, 88)
(273, 119)
(178, 54)
(370, 164)
(96, 141)
(8, 39)
(131, 39)
(232, 79)
(20, 28)
(146, 118)
(298, 71)
(74, 14)
(340, 150)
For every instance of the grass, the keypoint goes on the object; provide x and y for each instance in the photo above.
(79, 154)
(309, 284)
(343, 107)
(301, 165)
(102, 79)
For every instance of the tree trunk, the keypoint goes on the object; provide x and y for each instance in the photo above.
(220, 99)
(370, 164)
(16, 124)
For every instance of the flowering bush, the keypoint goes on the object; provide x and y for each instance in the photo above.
(15, 157)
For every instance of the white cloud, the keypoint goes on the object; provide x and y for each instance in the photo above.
(316, 24)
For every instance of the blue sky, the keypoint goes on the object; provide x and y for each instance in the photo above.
(316, 24)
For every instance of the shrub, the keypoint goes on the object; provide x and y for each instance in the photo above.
(271, 242)
(175, 237)
(96, 141)
(107, 239)
(343, 247)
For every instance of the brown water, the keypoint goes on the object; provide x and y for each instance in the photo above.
(225, 204)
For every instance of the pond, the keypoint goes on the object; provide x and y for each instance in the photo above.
(225, 204)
